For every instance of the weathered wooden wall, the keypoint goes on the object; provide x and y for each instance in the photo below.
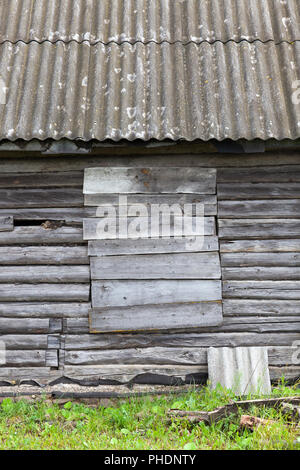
(45, 272)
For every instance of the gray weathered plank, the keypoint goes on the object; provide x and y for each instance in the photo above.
(69, 215)
(93, 229)
(260, 259)
(44, 310)
(14, 374)
(260, 307)
(40, 236)
(284, 290)
(260, 246)
(168, 266)
(30, 358)
(259, 228)
(178, 340)
(6, 224)
(24, 325)
(260, 174)
(44, 274)
(261, 273)
(42, 180)
(260, 324)
(25, 341)
(130, 293)
(156, 317)
(45, 255)
(58, 197)
(108, 200)
(44, 292)
(149, 180)
(149, 246)
(252, 190)
(259, 209)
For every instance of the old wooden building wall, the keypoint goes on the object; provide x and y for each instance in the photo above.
(45, 271)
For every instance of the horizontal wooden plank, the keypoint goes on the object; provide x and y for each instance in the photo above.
(259, 209)
(261, 307)
(25, 341)
(58, 197)
(69, 215)
(44, 310)
(156, 317)
(44, 292)
(114, 200)
(171, 266)
(260, 174)
(262, 289)
(150, 246)
(95, 229)
(260, 259)
(252, 190)
(131, 293)
(149, 180)
(260, 324)
(261, 273)
(50, 255)
(6, 224)
(259, 228)
(260, 246)
(163, 356)
(62, 179)
(178, 340)
(33, 235)
(24, 325)
(44, 274)
(30, 358)
(15, 374)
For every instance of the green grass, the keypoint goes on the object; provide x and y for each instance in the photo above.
(141, 423)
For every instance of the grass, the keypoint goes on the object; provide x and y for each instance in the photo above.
(141, 424)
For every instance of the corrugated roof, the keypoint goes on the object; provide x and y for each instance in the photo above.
(190, 74)
(149, 20)
(149, 91)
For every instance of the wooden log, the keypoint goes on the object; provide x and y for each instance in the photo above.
(58, 197)
(44, 274)
(168, 266)
(76, 326)
(259, 228)
(44, 292)
(260, 324)
(33, 235)
(44, 310)
(68, 215)
(149, 180)
(261, 307)
(42, 180)
(93, 229)
(31, 358)
(256, 273)
(114, 200)
(22, 342)
(131, 293)
(149, 246)
(156, 317)
(259, 209)
(285, 290)
(178, 340)
(6, 224)
(273, 260)
(24, 325)
(260, 174)
(15, 374)
(46, 255)
(274, 190)
(260, 246)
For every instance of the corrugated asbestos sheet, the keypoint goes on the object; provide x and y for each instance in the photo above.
(149, 20)
(197, 69)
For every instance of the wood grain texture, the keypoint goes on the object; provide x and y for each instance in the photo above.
(168, 266)
(149, 246)
(261, 273)
(65, 197)
(44, 274)
(156, 317)
(45, 255)
(33, 235)
(259, 173)
(44, 292)
(130, 293)
(41, 180)
(104, 200)
(149, 180)
(93, 229)
(236, 307)
(260, 259)
(259, 209)
(252, 190)
(260, 246)
(6, 224)
(44, 310)
(31, 358)
(285, 290)
(259, 228)
(24, 325)
(69, 215)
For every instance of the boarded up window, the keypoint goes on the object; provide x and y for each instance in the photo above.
(153, 248)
